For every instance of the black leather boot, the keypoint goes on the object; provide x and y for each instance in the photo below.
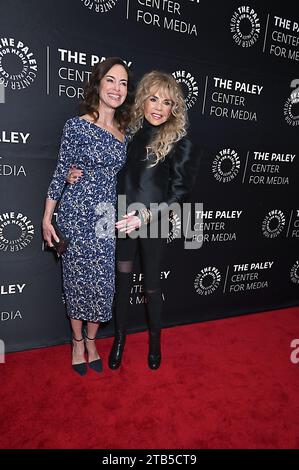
(117, 350)
(154, 354)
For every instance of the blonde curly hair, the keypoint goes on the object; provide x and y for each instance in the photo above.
(175, 127)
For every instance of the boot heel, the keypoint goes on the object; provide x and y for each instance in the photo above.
(154, 355)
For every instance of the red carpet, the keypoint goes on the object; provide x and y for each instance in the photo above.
(222, 384)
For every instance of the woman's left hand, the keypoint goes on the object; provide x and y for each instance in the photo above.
(128, 223)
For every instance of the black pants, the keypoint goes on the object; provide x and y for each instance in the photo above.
(150, 250)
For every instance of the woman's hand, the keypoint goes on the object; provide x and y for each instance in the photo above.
(128, 223)
(74, 175)
(49, 233)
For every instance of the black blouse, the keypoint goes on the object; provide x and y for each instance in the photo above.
(170, 180)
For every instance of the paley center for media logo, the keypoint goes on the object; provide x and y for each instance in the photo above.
(16, 231)
(291, 106)
(18, 66)
(188, 83)
(245, 26)
(207, 280)
(273, 223)
(226, 165)
(175, 226)
(294, 274)
(99, 6)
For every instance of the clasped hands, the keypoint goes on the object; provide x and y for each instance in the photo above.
(127, 224)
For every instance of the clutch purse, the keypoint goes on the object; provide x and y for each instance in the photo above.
(61, 246)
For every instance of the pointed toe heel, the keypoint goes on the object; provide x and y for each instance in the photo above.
(80, 368)
(96, 365)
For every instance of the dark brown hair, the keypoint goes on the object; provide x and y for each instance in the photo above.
(91, 92)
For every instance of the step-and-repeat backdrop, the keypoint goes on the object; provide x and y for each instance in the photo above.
(238, 64)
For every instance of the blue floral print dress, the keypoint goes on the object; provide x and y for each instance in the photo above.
(86, 215)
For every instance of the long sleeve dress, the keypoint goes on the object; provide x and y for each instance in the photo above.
(86, 215)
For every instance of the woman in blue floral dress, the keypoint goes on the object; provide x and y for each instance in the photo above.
(96, 143)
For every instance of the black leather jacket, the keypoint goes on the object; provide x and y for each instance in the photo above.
(169, 181)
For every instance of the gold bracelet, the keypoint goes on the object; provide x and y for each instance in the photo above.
(146, 215)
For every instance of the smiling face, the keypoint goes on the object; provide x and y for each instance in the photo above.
(157, 107)
(113, 87)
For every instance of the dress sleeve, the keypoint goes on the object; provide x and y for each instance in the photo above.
(65, 160)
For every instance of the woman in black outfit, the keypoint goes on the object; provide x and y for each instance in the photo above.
(160, 169)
